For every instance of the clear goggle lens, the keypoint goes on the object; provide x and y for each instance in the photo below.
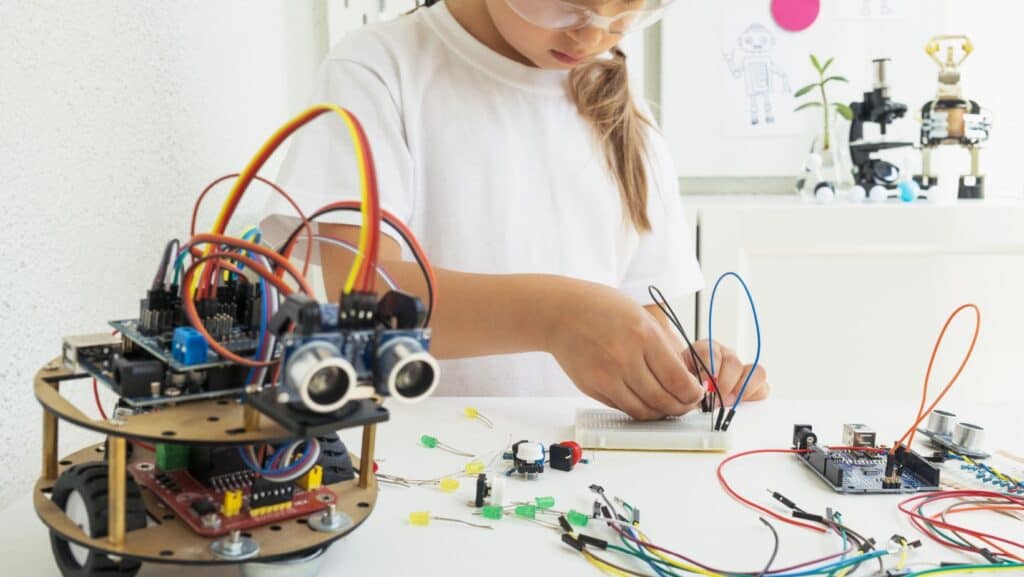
(621, 16)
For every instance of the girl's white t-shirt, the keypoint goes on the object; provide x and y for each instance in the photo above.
(491, 165)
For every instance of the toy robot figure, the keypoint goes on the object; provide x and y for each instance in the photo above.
(952, 119)
(757, 68)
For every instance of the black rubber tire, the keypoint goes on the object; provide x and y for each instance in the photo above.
(90, 481)
(335, 460)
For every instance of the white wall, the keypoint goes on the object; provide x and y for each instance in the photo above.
(693, 70)
(113, 115)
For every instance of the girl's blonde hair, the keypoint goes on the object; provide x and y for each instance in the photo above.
(600, 88)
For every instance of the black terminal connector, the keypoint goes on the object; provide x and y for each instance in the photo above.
(564, 523)
(399, 310)
(893, 477)
(813, 517)
(785, 501)
(572, 542)
(593, 541)
(804, 437)
(560, 457)
(357, 310)
(868, 545)
(728, 420)
(297, 309)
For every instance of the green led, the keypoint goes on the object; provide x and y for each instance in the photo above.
(428, 441)
(576, 518)
(526, 511)
(545, 502)
(492, 512)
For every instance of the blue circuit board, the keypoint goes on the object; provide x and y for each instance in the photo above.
(103, 375)
(862, 472)
(240, 343)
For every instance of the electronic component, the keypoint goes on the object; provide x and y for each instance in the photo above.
(858, 435)
(207, 463)
(232, 503)
(528, 458)
(98, 348)
(188, 346)
(944, 432)
(565, 455)
(268, 497)
(138, 377)
(490, 490)
(331, 358)
(865, 470)
(312, 479)
(610, 429)
(171, 457)
(203, 506)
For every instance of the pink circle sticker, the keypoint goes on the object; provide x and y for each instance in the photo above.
(795, 15)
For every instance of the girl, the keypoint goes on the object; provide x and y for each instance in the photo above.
(504, 133)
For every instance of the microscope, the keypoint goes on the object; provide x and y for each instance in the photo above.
(877, 107)
(952, 119)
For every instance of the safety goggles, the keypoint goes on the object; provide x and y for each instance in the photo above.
(561, 15)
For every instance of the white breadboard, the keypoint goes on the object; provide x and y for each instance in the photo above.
(958, 475)
(608, 429)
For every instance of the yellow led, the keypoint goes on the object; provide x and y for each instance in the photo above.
(474, 468)
(471, 412)
(313, 479)
(449, 485)
(421, 518)
(232, 503)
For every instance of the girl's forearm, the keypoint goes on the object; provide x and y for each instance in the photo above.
(483, 314)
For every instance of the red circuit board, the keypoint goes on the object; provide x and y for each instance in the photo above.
(182, 490)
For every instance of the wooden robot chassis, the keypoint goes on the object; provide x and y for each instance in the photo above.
(169, 539)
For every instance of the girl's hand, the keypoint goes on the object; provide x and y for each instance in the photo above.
(617, 352)
(730, 372)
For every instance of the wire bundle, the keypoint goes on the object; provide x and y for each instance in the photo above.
(210, 253)
(995, 549)
(283, 465)
(666, 562)
(712, 394)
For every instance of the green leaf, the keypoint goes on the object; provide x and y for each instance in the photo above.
(827, 64)
(836, 78)
(804, 90)
(807, 105)
(817, 65)
(843, 110)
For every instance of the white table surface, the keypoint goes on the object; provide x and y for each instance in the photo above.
(681, 503)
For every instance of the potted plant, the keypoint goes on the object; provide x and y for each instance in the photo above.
(823, 103)
(823, 162)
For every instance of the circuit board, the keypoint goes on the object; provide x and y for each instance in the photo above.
(862, 472)
(240, 342)
(105, 376)
(179, 491)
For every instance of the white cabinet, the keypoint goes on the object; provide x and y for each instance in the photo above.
(852, 297)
